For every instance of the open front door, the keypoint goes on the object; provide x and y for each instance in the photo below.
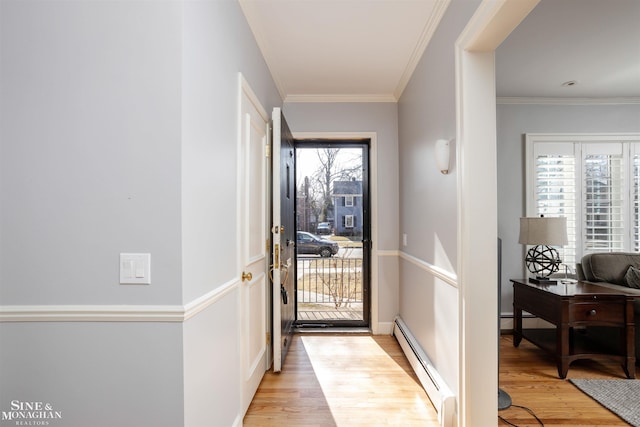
(283, 238)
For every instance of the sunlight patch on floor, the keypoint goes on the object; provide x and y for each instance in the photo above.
(366, 386)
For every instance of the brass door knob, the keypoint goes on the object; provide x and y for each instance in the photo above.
(247, 276)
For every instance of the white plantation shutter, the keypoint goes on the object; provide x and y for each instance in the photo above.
(593, 181)
(635, 233)
(555, 190)
(603, 198)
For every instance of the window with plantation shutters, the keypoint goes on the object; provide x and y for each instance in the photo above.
(555, 193)
(634, 201)
(593, 181)
(603, 198)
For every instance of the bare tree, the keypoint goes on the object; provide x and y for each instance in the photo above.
(342, 278)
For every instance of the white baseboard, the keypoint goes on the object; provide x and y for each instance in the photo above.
(384, 328)
(441, 396)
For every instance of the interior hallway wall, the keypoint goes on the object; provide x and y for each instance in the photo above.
(380, 118)
(217, 44)
(90, 141)
(118, 125)
(428, 199)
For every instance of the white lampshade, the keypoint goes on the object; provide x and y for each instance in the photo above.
(442, 155)
(543, 231)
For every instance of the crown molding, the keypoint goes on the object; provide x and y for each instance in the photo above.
(429, 29)
(115, 313)
(255, 26)
(505, 100)
(340, 98)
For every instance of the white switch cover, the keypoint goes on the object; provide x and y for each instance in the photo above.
(135, 269)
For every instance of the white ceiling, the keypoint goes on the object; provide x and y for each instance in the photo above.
(366, 50)
(342, 49)
(593, 42)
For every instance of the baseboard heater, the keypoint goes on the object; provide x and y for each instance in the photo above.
(441, 396)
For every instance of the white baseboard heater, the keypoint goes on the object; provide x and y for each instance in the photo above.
(441, 396)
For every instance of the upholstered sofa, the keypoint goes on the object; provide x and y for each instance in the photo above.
(615, 270)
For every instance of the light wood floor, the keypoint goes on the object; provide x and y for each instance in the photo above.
(340, 381)
(530, 377)
(361, 380)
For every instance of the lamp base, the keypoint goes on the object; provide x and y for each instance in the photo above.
(542, 281)
(542, 261)
(504, 400)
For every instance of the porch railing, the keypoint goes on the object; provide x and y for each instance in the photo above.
(336, 281)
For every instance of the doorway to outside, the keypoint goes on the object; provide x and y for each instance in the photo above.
(333, 242)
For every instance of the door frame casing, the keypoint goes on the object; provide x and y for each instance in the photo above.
(476, 168)
(373, 202)
(365, 145)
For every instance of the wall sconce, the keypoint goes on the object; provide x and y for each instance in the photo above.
(442, 155)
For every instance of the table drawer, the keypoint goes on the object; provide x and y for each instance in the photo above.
(597, 311)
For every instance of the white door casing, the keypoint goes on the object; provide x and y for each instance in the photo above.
(253, 235)
(476, 170)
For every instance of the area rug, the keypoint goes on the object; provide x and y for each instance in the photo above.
(621, 397)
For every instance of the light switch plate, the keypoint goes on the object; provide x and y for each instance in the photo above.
(135, 269)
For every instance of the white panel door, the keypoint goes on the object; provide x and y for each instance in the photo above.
(254, 233)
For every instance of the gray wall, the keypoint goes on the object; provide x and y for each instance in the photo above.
(90, 150)
(513, 121)
(102, 374)
(217, 45)
(118, 124)
(428, 199)
(381, 118)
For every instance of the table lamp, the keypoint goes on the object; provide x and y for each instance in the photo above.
(543, 232)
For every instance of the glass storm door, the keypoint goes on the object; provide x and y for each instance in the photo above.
(333, 237)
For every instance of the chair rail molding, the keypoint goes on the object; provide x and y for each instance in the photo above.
(116, 313)
(446, 276)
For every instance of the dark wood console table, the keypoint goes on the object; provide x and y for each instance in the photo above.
(570, 307)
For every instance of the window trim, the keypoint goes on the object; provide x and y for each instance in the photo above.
(346, 221)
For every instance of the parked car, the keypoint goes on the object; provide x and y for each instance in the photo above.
(308, 243)
(323, 228)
